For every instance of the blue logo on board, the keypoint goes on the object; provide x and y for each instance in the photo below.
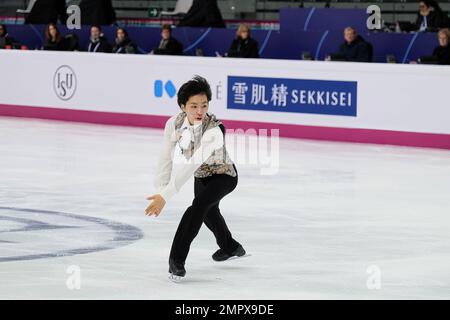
(160, 87)
(293, 95)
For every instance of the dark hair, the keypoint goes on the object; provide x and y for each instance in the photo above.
(432, 3)
(125, 32)
(48, 37)
(197, 85)
(4, 28)
(96, 26)
(166, 26)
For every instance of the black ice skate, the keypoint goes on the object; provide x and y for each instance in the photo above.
(221, 255)
(176, 270)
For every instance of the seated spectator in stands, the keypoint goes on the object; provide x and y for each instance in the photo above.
(203, 13)
(168, 44)
(97, 12)
(441, 54)
(355, 48)
(5, 38)
(431, 17)
(53, 39)
(123, 42)
(243, 46)
(72, 42)
(97, 41)
(47, 11)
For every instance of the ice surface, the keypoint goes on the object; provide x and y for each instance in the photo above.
(313, 230)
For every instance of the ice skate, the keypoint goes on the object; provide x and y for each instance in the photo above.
(177, 271)
(221, 255)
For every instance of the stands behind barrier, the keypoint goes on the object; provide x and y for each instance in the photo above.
(273, 44)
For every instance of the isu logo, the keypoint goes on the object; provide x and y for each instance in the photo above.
(65, 83)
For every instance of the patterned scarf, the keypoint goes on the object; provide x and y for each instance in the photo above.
(189, 139)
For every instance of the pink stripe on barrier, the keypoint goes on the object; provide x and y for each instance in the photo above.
(110, 118)
(400, 138)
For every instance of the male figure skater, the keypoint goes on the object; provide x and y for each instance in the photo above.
(200, 137)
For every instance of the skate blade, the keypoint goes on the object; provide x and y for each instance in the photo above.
(236, 257)
(176, 279)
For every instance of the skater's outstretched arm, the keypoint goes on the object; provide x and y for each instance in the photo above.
(211, 140)
(164, 167)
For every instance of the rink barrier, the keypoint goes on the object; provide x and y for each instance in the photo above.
(357, 135)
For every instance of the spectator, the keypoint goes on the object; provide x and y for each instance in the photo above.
(355, 48)
(72, 42)
(47, 11)
(123, 42)
(203, 13)
(53, 39)
(97, 12)
(98, 42)
(5, 38)
(441, 54)
(431, 17)
(243, 46)
(168, 44)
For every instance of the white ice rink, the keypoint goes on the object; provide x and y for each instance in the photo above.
(333, 212)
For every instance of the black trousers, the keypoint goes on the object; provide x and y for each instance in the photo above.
(205, 209)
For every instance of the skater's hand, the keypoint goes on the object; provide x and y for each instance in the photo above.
(156, 206)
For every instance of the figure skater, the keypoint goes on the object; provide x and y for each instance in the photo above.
(200, 137)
